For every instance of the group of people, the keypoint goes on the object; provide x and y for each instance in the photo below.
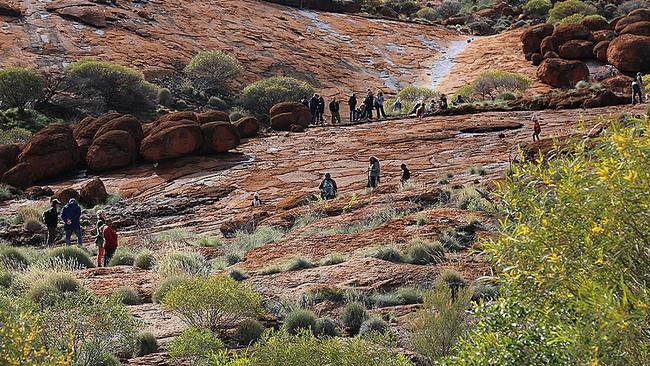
(105, 234)
(358, 111)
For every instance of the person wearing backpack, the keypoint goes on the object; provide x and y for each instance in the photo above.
(99, 237)
(373, 172)
(71, 214)
(110, 241)
(334, 109)
(328, 187)
(352, 104)
(51, 220)
(537, 129)
(406, 174)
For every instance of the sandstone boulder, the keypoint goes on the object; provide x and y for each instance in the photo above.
(213, 116)
(536, 58)
(595, 23)
(247, 126)
(618, 84)
(548, 45)
(630, 53)
(638, 28)
(36, 192)
(567, 32)
(50, 153)
(8, 155)
(604, 35)
(177, 116)
(87, 128)
(551, 54)
(79, 10)
(284, 115)
(171, 139)
(112, 150)
(93, 193)
(126, 123)
(532, 38)
(219, 137)
(577, 49)
(9, 10)
(600, 51)
(562, 73)
(638, 15)
(605, 98)
(66, 194)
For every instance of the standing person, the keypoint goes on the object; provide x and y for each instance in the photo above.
(321, 109)
(352, 104)
(406, 174)
(373, 172)
(369, 101)
(256, 200)
(537, 129)
(328, 188)
(51, 220)
(419, 109)
(313, 108)
(334, 109)
(397, 106)
(443, 102)
(110, 241)
(70, 214)
(379, 104)
(637, 89)
(99, 237)
(305, 101)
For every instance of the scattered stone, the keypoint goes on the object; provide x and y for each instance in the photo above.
(567, 32)
(600, 51)
(638, 28)
(548, 45)
(596, 23)
(80, 10)
(66, 194)
(532, 38)
(93, 193)
(177, 116)
(577, 49)
(8, 155)
(212, 116)
(112, 150)
(37, 192)
(638, 15)
(603, 35)
(247, 126)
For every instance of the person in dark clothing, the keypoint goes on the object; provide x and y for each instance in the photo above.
(406, 174)
(443, 102)
(373, 172)
(352, 104)
(334, 109)
(328, 188)
(636, 89)
(537, 129)
(70, 214)
(379, 104)
(110, 241)
(99, 238)
(459, 100)
(305, 102)
(321, 109)
(51, 220)
(369, 101)
(313, 108)
(397, 106)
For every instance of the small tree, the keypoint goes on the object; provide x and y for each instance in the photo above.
(111, 86)
(20, 88)
(568, 8)
(260, 96)
(448, 9)
(210, 70)
(490, 84)
(213, 302)
(538, 8)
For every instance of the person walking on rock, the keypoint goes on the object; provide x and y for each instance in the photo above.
(637, 88)
(419, 109)
(51, 220)
(373, 172)
(379, 104)
(369, 101)
(352, 104)
(443, 102)
(406, 174)
(257, 202)
(334, 109)
(99, 237)
(313, 108)
(71, 214)
(397, 106)
(328, 188)
(537, 129)
(321, 109)
(110, 241)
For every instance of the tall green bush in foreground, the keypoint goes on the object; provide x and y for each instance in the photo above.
(572, 259)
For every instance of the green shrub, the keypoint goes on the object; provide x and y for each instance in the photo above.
(122, 257)
(165, 286)
(165, 97)
(106, 359)
(353, 315)
(20, 87)
(427, 13)
(260, 96)
(249, 331)
(210, 70)
(33, 226)
(144, 260)
(299, 263)
(238, 275)
(15, 135)
(72, 254)
(452, 279)
(564, 9)
(627, 6)
(326, 327)
(410, 295)
(506, 96)
(405, 7)
(411, 95)
(28, 212)
(484, 292)
(195, 345)
(298, 320)
(111, 86)
(51, 287)
(572, 19)
(318, 295)
(439, 323)
(212, 302)
(537, 8)
(237, 113)
(490, 84)
(217, 103)
(145, 344)
(424, 252)
(401, 296)
(269, 270)
(127, 295)
(448, 9)
(12, 257)
(245, 241)
(332, 259)
(469, 198)
(387, 253)
(232, 258)
(374, 324)
(183, 264)
(7, 279)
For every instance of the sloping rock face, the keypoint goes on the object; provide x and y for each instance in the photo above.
(50, 153)
(337, 53)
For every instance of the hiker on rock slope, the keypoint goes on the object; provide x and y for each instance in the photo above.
(99, 237)
(373, 172)
(51, 220)
(334, 109)
(637, 88)
(110, 241)
(328, 188)
(537, 129)
(352, 104)
(71, 214)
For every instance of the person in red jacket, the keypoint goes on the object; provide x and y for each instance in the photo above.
(110, 241)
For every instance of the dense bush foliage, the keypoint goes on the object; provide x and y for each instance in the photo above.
(410, 96)
(326, 327)
(490, 84)
(127, 295)
(448, 9)
(122, 257)
(175, 264)
(72, 253)
(424, 252)
(16, 135)
(568, 8)
(165, 286)
(572, 259)
(248, 331)
(144, 260)
(195, 345)
(212, 302)
(210, 70)
(12, 257)
(50, 288)
(406, 7)
(537, 8)
(260, 96)
(102, 85)
(353, 315)
(298, 320)
(374, 324)
(145, 343)
(20, 88)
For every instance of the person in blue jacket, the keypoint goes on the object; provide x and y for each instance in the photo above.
(70, 215)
